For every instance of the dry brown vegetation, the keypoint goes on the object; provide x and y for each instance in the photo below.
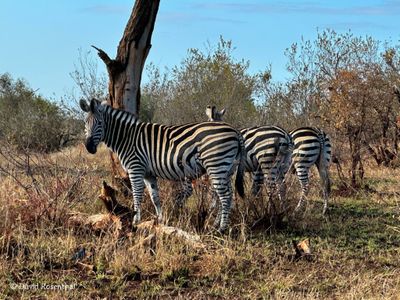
(355, 249)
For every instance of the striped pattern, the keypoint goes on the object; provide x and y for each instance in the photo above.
(311, 147)
(268, 154)
(181, 153)
(268, 150)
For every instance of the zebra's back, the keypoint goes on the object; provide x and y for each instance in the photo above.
(187, 151)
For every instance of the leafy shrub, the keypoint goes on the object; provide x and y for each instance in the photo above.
(30, 121)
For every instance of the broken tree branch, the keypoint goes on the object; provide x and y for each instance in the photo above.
(119, 218)
(113, 66)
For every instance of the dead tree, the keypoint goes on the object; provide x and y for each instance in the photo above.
(125, 71)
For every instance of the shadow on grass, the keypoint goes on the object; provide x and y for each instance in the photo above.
(352, 224)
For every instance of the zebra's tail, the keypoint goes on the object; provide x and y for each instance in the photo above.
(286, 164)
(325, 157)
(239, 182)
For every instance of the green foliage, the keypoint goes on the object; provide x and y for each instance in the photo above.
(29, 121)
(339, 81)
(206, 78)
(343, 83)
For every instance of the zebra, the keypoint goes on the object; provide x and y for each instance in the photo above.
(311, 147)
(268, 155)
(181, 153)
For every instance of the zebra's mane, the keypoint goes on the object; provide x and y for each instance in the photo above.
(129, 118)
(120, 114)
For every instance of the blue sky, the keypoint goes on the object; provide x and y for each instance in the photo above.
(40, 39)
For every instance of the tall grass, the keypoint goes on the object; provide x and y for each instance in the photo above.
(355, 248)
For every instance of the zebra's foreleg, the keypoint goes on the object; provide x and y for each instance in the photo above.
(151, 184)
(184, 193)
(137, 184)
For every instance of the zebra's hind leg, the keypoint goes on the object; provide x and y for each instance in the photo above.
(223, 188)
(270, 171)
(258, 180)
(282, 188)
(302, 175)
(151, 184)
(325, 184)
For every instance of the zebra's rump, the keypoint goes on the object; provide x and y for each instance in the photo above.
(309, 144)
(266, 145)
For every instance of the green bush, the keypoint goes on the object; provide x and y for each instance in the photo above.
(211, 77)
(29, 121)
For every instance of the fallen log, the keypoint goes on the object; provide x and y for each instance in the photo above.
(152, 227)
(119, 219)
(96, 223)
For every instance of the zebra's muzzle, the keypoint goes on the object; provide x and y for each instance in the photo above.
(91, 147)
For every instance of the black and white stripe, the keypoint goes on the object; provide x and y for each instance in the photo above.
(268, 154)
(307, 146)
(182, 153)
(311, 147)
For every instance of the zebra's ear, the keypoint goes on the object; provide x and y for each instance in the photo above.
(222, 112)
(84, 105)
(94, 103)
(209, 112)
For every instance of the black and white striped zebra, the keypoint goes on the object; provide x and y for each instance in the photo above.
(180, 153)
(268, 154)
(311, 147)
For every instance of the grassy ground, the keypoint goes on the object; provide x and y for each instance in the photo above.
(356, 247)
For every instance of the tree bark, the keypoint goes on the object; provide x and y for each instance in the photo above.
(125, 71)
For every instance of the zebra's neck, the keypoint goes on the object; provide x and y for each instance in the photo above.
(117, 125)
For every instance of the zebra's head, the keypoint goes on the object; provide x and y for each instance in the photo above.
(213, 114)
(94, 124)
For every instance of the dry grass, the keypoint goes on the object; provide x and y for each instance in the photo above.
(356, 248)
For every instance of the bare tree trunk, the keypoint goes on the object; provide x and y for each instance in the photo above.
(125, 71)
(357, 169)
